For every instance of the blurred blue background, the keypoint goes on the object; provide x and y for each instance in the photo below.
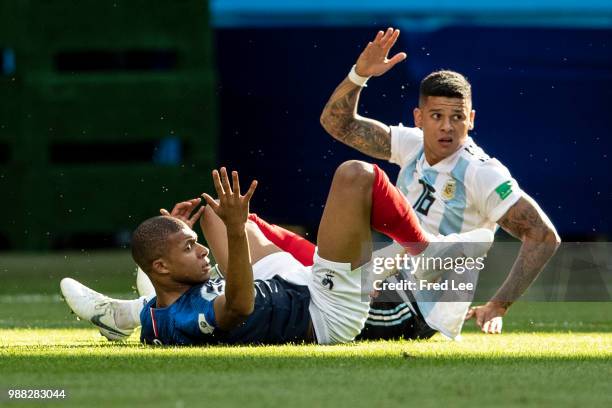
(541, 74)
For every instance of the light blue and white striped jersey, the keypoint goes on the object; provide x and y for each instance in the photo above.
(465, 191)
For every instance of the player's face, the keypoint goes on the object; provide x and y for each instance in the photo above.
(186, 259)
(445, 123)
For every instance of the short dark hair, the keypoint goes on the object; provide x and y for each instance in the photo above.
(445, 83)
(150, 238)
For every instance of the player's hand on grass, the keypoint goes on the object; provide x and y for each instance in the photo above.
(373, 60)
(488, 317)
(232, 207)
(184, 211)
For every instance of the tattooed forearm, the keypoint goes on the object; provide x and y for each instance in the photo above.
(340, 119)
(527, 222)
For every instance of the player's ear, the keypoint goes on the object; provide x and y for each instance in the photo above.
(159, 266)
(472, 117)
(418, 117)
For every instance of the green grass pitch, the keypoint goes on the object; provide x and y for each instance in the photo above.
(551, 354)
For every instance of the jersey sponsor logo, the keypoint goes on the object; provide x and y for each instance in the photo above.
(449, 189)
(203, 324)
(504, 189)
(327, 281)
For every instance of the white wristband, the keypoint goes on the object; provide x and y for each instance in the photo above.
(357, 79)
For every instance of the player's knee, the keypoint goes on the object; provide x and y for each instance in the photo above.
(208, 218)
(354, 174)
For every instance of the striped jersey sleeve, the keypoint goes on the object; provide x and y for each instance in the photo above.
(496, 190)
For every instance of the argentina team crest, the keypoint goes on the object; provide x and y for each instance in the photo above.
(449, 189)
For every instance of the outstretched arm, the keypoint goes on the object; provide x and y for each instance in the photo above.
(526, 221)
(236, 304)
(340, 118)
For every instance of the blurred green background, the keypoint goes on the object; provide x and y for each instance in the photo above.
(91, 92)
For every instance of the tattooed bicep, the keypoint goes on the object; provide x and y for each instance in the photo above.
(525, 218)
(368, 136)
(341, 120)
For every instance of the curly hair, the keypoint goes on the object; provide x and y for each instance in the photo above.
(150, 238)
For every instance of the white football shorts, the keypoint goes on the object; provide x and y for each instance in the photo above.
(337, 308)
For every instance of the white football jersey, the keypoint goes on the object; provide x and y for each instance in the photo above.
(465, 191)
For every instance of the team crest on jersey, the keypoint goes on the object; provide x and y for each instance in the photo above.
(203, 324)
(448, 191)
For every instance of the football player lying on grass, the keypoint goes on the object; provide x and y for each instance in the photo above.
(288, 302)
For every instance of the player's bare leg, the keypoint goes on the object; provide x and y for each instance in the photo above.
(216, 237)
(361, 198)
(299, 247)
(344, 232)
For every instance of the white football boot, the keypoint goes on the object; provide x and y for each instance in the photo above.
(144, 284)
(471, 244)
(92, 306)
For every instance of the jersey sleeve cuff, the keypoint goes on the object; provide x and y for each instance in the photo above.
(504, 206)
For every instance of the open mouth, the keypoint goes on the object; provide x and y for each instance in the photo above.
(445, 141)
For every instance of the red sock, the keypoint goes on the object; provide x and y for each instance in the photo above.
(301, 249)
(393, 216)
